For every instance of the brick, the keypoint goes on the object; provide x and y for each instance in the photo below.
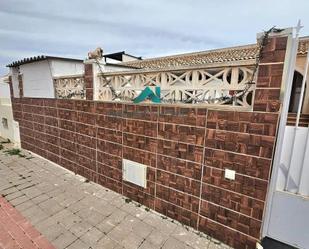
(51, 130)
(179, 183)
(249, 186)
(68, 155)
(140, 142)
(140, 156)
(183, 200)
(179, 115)
(51, 121)
(37, 101)
(110, 183)
(111, 172)
(139, 194)
(86, 141)
(110, 135)
(243, 164)
(85, 151)
(84, 129)
(110, 160)
(51, 111)
(50, 102)
(179, 150)
(140, 127)
(110, 148)
(89, 91)
(88, 69)
(87, 173)
(68, 164)
(86, 118)
(67, 114)
(85, 106)
(109, 109)
(149, 113)
(231, 219)
(255, 145)
(52, 157)
(66, 104)
(228, 236)
(175, 212)
(185, 134)
(180, 167)
(110, 122)
(234, 201)
(86, 162)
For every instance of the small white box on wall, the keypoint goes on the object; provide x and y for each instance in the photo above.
(229, 174)
(134, 172)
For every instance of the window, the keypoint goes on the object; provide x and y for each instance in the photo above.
(5, 123)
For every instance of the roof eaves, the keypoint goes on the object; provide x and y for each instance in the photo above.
(38, 58)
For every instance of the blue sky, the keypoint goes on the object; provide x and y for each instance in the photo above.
(142, 28)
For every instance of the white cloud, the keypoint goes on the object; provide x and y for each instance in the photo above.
(143, 28)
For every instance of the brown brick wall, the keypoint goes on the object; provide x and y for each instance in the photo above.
(88, 77)
(186, 151)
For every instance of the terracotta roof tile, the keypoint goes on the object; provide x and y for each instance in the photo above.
(241, 53)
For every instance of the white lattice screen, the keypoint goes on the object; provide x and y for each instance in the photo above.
(186, 86)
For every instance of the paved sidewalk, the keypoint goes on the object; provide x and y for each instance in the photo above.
(76, 214)
(16, 232)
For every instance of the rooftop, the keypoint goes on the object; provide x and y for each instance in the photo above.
(239, 53)
(230, 54)
(39, 58)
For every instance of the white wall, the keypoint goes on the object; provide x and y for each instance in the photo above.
(66, 68)
(14, 74)
(12, 131)
(38, 76)
(126, 58)
(37, 80)
(4, 89)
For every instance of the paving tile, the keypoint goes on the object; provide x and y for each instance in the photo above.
(50, 206)
(92, 236)
(40, 198)
(94, 218)
(80, 228)
(172, 243)
(217, 245)
(132, 241)
(16, 231)
(148, 245)
(34, 214)
(64, 240)
(73, 213)
(135, 210)
(142, 229)
(118, 234)
(188, 237)
(13, 196)
(9, 190)
(107, 243)
(32, 192)
(51, 231)
(157, 238)
(70, 220)
(78, 244)
(25, 205)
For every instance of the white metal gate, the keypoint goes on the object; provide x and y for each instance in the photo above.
(287, 211)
